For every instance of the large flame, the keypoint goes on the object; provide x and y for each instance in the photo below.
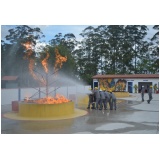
(52, 100)
(59, 61)
(58, 64)
(44, 63)
(29, 48)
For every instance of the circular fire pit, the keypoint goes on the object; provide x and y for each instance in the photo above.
(45, 110)
(34, 111)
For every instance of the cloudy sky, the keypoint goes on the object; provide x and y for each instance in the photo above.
(73, 16)
(51, 30)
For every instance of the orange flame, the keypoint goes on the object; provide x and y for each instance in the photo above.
(59, 61)
(51, 100)
(45, 64)
(58, 64)
(28, 46)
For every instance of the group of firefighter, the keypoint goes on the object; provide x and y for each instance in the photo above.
(99, 99)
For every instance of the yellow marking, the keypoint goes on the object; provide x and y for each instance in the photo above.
(15, 116)
(121, 94)
(45, 110)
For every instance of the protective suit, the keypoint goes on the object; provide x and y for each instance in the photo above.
(103, 100)
(150, 94)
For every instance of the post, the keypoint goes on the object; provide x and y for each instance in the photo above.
(39, 92)
(46, 85)
(19, 90)
(76, 94)
(67, 91)
(19, 94)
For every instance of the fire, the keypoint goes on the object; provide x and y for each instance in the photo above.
(44, 63)
(59, 61)
(52, 100)
(29, 47)
(58, 64)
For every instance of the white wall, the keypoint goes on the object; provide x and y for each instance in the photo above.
(153, 81)
(135, 81)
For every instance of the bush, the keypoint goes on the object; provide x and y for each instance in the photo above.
(136, 88)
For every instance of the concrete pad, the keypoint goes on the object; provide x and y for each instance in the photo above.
(113, 126)
(131, 117)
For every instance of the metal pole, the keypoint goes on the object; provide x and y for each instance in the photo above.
(76, 95)
(39, 92)
(19, 94)
(19, 90)
(46, 85)
(67, 91)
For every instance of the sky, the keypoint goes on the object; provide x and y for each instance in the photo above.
(51, 30)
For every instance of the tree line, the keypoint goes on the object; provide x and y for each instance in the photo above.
(105, 49)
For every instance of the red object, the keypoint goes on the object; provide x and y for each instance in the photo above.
(15, 106)
(9, 78)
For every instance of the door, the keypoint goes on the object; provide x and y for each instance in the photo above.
(145, 84)
(130, 87)
(95, 84)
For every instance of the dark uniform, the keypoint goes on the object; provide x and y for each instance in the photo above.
(142, 93)
(98, 98)
(113, 101)
(107, 96)
(103, 100)
(110, 101)
(150, 94)
(91, 100)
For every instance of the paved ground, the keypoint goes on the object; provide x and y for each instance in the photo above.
(131, 117)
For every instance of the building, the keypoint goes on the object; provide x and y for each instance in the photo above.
(9, 82)
(127, 82)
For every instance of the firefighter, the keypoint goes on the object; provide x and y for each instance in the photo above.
(97, 96)
(112, 101)
(103, 100)
(94, 100)
(91, 99)
(107, 97)
(142, 93)
(150, 94)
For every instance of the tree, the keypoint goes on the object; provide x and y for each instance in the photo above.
(7, 59)
(15, 50)
(154, 48)
(65, 45)
(136, 35)
(87, 54)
